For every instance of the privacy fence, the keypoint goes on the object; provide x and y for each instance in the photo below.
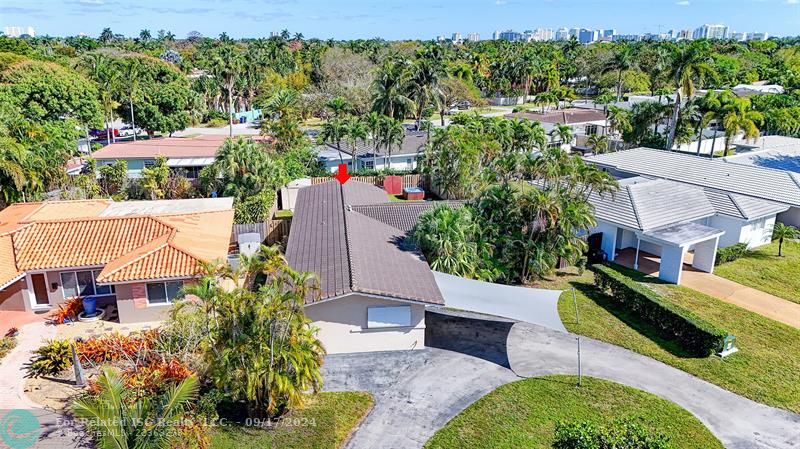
(413, 180)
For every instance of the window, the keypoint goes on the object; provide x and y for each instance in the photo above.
(83, 283)
(394, 316)
(591, 130)
(163, 292)
(552, 145)
(410, 163)
(369, 165)
(149, 163)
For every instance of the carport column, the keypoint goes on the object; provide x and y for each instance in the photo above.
(671, 263)
(705, 253)
(609, 245)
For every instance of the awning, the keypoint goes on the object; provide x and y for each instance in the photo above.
(683, 234)
(532, 305)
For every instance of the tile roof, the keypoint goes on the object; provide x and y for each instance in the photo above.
(171, 147)
(758, 182)
(129, 247)
(352, 253)
(568, 116)
(403, 216)
(742, 207)
(413, 143)
(360, 193)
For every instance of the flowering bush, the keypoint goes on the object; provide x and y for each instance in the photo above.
(69, 310)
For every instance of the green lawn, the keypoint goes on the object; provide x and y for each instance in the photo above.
(325, 423)
(766, 368)
(524, 414)
(283, 214)
(763, 270)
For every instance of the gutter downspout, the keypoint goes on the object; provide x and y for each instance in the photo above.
(636, 259)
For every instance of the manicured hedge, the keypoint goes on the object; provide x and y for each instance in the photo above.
(731, 253)
(694, 334)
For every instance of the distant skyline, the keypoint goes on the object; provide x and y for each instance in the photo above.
(393, 19)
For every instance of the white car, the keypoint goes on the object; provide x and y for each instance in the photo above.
(128, 131)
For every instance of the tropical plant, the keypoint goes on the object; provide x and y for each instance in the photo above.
(390, 87)
(149, 422)
(781, 232)
(447, 237)
(334, 130)
(622, 60)
(355, 131)
(598, 143)
(562, 133)
(739, 117)
(50, 359)
(691, 66)
(154, 178)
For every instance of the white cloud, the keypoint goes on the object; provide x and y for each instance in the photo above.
(91, 2)
(500, 2)
(683, 3)
(792, 2)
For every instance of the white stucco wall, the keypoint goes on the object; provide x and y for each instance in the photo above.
(705, 253)
(758, 232)
(671, 264)
(790, 217)
(609, 232)
(343, 327)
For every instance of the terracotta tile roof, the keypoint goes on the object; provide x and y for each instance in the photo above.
(352, 253)
(130, 247)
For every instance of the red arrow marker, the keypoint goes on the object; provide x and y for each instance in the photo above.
(342, 176)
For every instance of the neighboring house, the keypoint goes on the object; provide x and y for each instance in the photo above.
(746, 181)
(135, 255)
(189, 155)
(669, 219)
(373, 289)
(403, 158)
(777, 152)
(584, 123)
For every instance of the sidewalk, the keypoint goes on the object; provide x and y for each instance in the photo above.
(54, 432)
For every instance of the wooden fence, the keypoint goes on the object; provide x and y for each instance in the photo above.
(413, 180)
(271, 231)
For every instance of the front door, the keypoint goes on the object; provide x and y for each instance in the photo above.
(40, 289)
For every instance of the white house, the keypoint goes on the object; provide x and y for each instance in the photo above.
(779, 187)
(669, 219)
(367, 158)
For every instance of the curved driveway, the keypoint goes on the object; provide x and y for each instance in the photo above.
(417, 392)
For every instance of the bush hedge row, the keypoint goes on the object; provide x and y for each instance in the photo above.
(731, 253)
(695, 335)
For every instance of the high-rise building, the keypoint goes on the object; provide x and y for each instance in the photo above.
(12, 31)
(562, 34)
(608, 35)
(757, 36)
(542, 34)
(711, 32)
(511, 35)
(30, 31)
(587, 36)
(456, 37)
(473, 37)
(741, 37)
(496, 35)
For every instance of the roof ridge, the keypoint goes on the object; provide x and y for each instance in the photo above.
(97, 218)
(733, 196)
(176, 214)
(347, 238)
(137, 258)
(633, 205)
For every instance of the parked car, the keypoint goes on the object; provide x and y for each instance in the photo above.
(101, 133)
(128, 131)
(463, 105)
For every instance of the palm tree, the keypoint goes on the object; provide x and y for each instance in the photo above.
(598, 143)
(226, 65)
(355, 131)
(781, 232)
(563, 133)
(131, 70)
(619, 120)
(334, 131)
(423, 86)
(691, 66)
(145, 36)
(621, 61)
(105, 72)
(738, 117)
(390, 87)
(145, 422)
(446, 236)
(392, 134)
(338, 105)
(373, 122)
(106, 36)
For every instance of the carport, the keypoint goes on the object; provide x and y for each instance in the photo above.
(532, 305)
(674, 242)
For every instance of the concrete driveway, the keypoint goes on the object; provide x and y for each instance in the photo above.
(418, 392)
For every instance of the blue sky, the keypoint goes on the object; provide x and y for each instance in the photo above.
(393, 19)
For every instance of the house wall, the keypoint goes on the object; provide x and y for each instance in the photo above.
(791, 217)
(343, 328)
(649, 247)
(732, 228)
(705, 253)
(14, 297)
(754, 233)
(132, 305)
(398, 162)
(671, 264)
(609, 232)
(626, 239)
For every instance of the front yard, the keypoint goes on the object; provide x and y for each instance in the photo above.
(763, 270)
(765, 369)
(325, 423)
(524, 414)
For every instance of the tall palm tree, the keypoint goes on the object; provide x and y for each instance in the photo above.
(739, 116)
(145, 36)
(339, 106)
(226, 65)
(392, 135)
(374, 122)
(106, 35)
(105, 72)
(131, 69)
(390, 87)
(691, 66)
(334, 131)
(423, 86)
(619, 120)
(781, 232)
(563, 133)
(120, 424)
(622, 60)
(355, 131)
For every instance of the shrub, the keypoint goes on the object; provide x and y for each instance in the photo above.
(694, 334)
(68, 311)
(731, 253)
(623, 434)
(52, 358)
(113, 347)
(12, 332)
(6, 345)
(217, 123)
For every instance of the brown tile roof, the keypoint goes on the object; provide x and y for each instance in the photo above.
(403, 216)
(171, 147)
(562, 116)
(360, 193)
(130, 247)
(351, 252)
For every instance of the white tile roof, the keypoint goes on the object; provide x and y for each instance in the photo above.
(764, 183)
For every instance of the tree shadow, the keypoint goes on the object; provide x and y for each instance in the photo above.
(632, 320)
